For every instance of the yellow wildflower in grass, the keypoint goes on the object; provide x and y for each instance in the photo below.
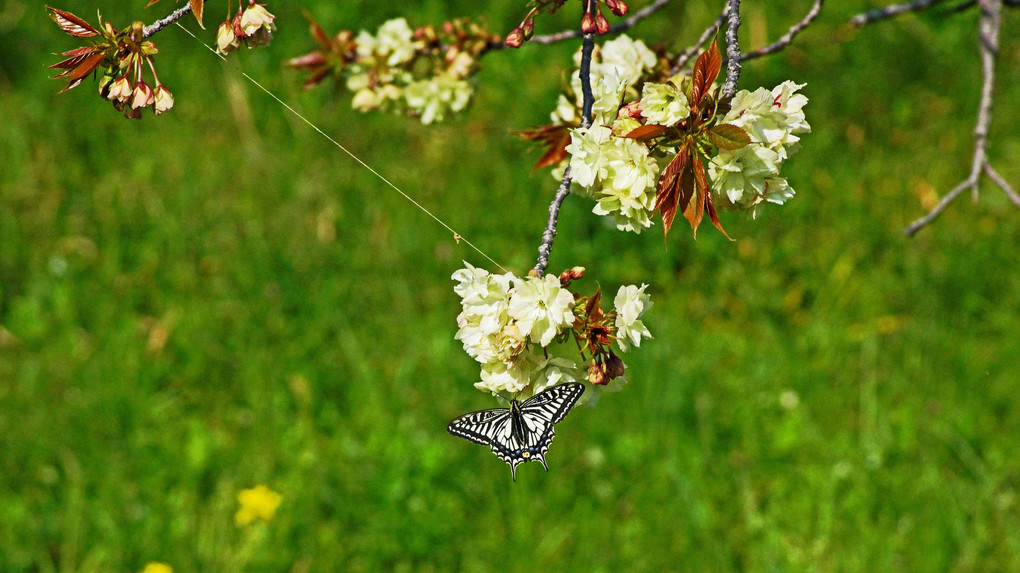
(157, 568)
(259, 502)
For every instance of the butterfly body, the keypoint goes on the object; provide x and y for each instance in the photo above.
(522, 432)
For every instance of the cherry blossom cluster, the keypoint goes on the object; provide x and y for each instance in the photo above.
(632, 89)
(252, 26)
(124, 55)
(423, 73)
(530, 333)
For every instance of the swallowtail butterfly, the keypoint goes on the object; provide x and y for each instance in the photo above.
(522, 432)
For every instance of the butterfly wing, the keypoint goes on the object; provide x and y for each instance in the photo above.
(480, 427)
(523, 432)
(553, 404)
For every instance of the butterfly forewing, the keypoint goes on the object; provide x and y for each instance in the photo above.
(524, 431)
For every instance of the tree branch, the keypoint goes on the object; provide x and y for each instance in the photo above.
(160, 24)
(621, 26)
(787, 39)
(689, 53)
(732, 49)
(588, 100)
(989, 26)
(872, 16)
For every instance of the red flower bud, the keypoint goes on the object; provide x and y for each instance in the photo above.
(515, 38)
(529, 29)
(601, 23)
(618, 7)
(614, 366)
(588, 24)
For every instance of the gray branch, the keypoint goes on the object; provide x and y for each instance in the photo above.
(872, 16)
(991, 11)
(160, 24)
(588, 101)
(732, 49)
(625, 24)
(787, 38)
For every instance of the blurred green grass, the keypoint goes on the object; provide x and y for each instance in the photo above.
(217, 298)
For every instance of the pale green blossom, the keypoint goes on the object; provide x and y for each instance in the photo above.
(625, 57)
(586, 161)
(664, 104)
(745, 177)
(431, 99)
(541, 307)
(393, 43)
(773, 119)
(631, 304)
(628, 185)
(532, 370)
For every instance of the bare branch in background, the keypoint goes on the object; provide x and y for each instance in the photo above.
(889, 11)
(694, 50)
(989, 42)
(787, 38)
(620, 27)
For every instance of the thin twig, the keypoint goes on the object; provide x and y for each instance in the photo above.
(1001, 182)
(732, 49)
(989, 44)
(689, 53)
(549, 234)
(160, 24)
(785, 41)
(872, 16)
(619, 27)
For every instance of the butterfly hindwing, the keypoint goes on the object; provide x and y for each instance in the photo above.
(524, 431)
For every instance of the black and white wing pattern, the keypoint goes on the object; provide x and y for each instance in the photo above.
(522, 432)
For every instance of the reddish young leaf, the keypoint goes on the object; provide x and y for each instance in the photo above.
(86, 67)
(695, 210)
(706, 69)
(728, 137)
(317, 32)
(669, 193)
(715, 216)
(196, 9)
(556, 138)
(72, 24)
(593, 309)
(78, 55)
(650, 131)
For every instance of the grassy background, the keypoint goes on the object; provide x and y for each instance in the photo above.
(214, 299)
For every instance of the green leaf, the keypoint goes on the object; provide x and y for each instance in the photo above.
(647, 132)
(728, 137)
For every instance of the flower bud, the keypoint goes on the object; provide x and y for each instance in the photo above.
(255, 18)
(529, 29)
(571, 274)
(601, 24)
(120, 89)
(614, 366)
(588, 24)
(618, 7)
(226, 41)
(164, 99)
(596, 375)
(142, 96)
(515, 38)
